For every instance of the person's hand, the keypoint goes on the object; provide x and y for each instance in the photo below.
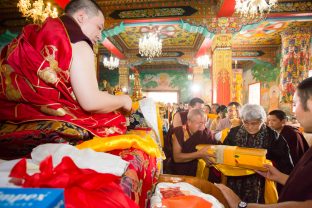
(229, 195)
(273, 174)
(209, 158)
(127, 103)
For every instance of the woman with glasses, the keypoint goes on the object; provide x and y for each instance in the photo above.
(254, 133)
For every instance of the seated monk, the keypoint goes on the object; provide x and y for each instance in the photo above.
(48, 74)
(183, 158)
(49, 93)
(179, 119)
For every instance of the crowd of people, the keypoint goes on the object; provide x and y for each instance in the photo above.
(235, 125)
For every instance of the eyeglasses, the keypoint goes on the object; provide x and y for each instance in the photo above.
(252, 123)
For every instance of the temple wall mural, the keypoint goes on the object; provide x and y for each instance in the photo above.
(160, 80)
(270, 91)
(167, 81)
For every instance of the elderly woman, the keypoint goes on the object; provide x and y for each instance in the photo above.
(255, 134)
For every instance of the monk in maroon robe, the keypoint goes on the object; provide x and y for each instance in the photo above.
(183, 158)
(295, 140)
(179, 119)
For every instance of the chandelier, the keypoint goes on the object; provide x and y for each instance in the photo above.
(111, 63)
(203, 61)
(254, 8)
(36, 11)
(150, 46)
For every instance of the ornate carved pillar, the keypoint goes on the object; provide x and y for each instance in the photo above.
(295, 59)
(198, 80)
(123, 75)
(137, 89)
(222, 76)
(237, 91)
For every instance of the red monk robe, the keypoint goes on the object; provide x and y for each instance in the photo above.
(35, 90)
(35, 83)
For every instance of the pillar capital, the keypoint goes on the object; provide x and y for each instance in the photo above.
(296, 31)
(123, 77)
(222, 41)
(123, 70)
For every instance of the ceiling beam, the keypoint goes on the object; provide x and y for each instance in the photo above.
(226, 9)
(204, 47)
(107, 44)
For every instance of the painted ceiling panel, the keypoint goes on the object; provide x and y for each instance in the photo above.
(265, 33)
(136, 17)
(171, 35)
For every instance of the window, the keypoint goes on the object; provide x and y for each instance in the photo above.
(254, 93)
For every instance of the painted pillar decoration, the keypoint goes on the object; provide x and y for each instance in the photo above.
(137, 89)
(198, 80)
(222, 76)
(237, 85)
(123, 75)
(295, 59)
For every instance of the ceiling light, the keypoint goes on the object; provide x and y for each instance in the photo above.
(254, 8)
(111, 63)
(36, 11)
(150, 46)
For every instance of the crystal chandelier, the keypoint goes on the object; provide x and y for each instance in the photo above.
(111, 63)
(150, 46)
(254, 8)
(36, 11)
(203, 61)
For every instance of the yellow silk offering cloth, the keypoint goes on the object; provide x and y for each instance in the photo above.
(139, 139)
(239, 161)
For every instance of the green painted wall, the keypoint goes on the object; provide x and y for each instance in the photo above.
(156, 80)
(170, 80)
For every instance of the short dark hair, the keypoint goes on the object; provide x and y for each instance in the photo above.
(90, 6)
(237, 105)
(281, 115)
(304, 92)
(193, 102)
(208, 106)
(215, 104)
(221, 108)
